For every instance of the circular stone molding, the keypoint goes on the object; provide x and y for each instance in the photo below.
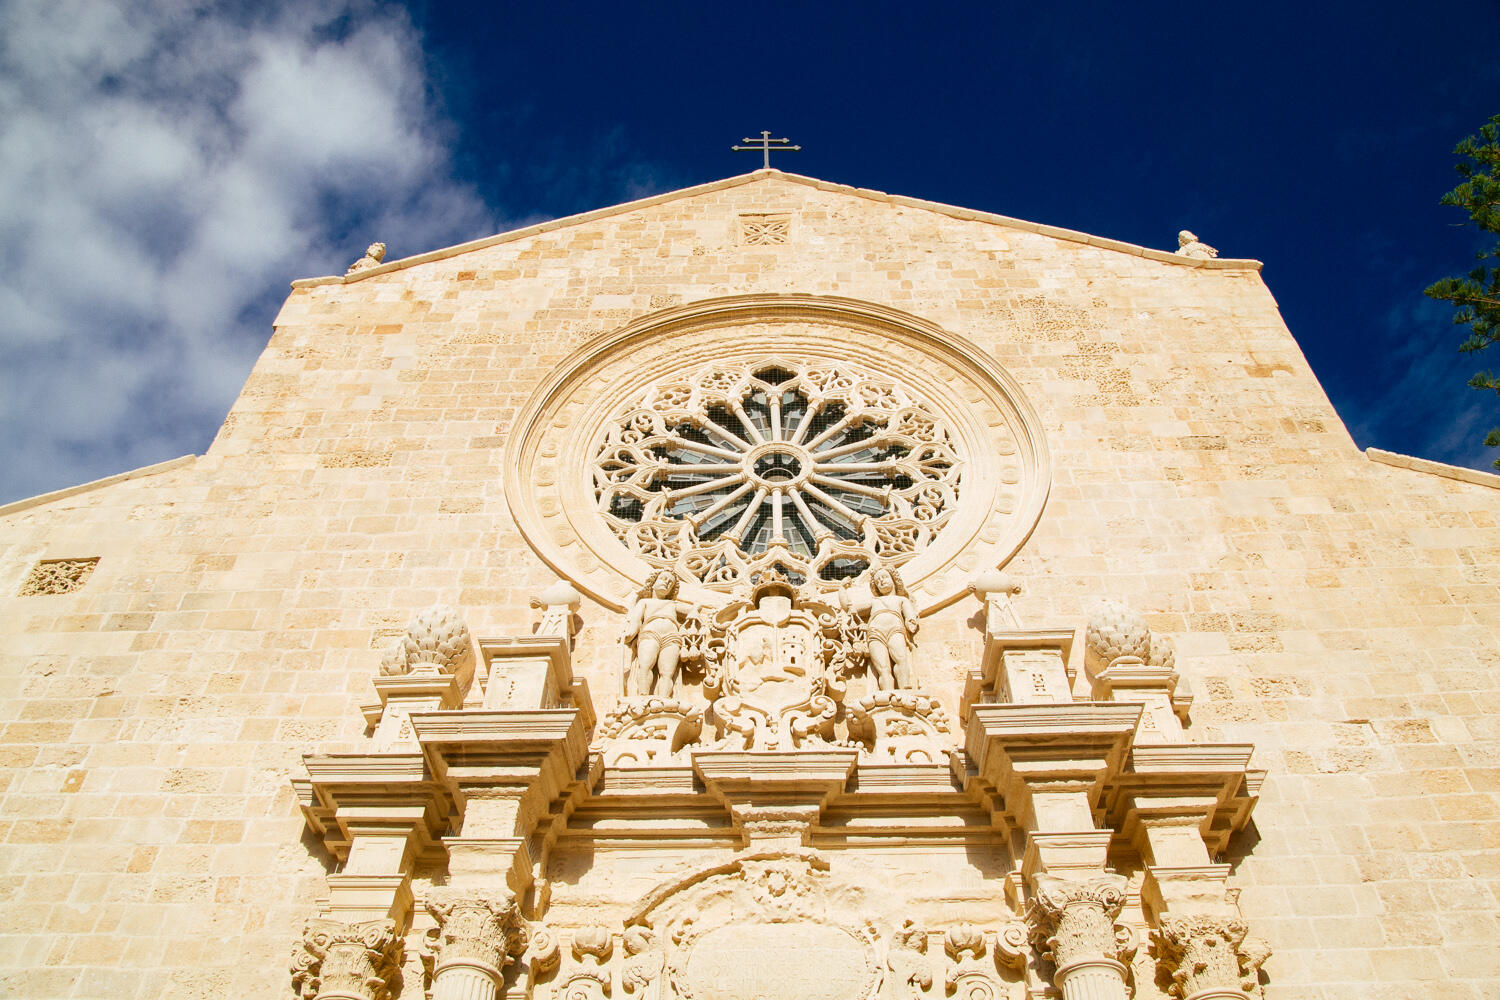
(804, 435)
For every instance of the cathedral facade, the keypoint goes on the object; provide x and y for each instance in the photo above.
(770, 589)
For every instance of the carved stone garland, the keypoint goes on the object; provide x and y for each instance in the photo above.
(812, 469)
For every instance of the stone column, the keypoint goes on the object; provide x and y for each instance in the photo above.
(340, 961)
(1076, 921)
(1209, 956)
(477, 937)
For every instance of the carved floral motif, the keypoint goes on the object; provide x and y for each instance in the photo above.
(346, 960)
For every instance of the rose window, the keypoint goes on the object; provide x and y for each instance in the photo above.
(813, 469)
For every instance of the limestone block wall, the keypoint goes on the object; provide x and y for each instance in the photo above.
(1342, 615)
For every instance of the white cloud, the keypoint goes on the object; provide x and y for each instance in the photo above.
(166, 168)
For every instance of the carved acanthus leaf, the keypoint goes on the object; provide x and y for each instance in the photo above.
(351, 960)
(1208, 952)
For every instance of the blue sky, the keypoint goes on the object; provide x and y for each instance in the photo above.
(166, 168)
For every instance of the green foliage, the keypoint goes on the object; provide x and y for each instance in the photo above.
(1477, 295)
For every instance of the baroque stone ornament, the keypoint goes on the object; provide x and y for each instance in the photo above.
(477, 936)
(901, 727)
(1188, 246)
(734, 436)
(770, 925)
(374, 257)
(1209, 956)
(1116, 633)
(436, 642)
(969, 976)
(817, 470)
(1073, 926)
(339, 961)
(588, 977)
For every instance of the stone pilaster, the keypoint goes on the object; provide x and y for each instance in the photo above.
(1209, 956)
(1075, 922)
(476, 938)
(341, 961)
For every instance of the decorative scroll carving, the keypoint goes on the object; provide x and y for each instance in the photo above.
(645, 732)
(335, 959)
(1188, 246)
(57, 576)
(890, 619)
(436, 642)
(1074, 921)
(904, 727)
(1209, 954)
(374, 257)
(810, 469)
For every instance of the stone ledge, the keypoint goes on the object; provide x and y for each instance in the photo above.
(17, 506)
(1414, 464)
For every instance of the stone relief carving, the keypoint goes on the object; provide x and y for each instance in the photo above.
(902, 727)
(760, 926)
(661, 633)
(374, 257)
(909, 972)
(57, 576)
(812, 469)
(890, 619)
(335, 959)
(589, 976)
(1188, 246)
(1209, 955)
(764, 230)
(771, 669)
(436, 642)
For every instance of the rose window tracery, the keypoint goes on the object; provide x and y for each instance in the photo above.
(815, 469)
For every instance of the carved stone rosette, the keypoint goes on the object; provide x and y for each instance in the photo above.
(1073, 922)
(339, 961)
(1209, 956)
(476, 938)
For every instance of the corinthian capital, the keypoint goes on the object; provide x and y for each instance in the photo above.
(1074, 920)
(1208, 953)
(476, 930)
(345, 961)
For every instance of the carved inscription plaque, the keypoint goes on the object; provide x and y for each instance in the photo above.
(792, 961)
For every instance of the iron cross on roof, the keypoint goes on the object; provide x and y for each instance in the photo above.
(764, 145)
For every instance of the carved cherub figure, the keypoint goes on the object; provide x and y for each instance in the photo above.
(373, 257)
(891, 622)
(654, 634)
(1188, 246)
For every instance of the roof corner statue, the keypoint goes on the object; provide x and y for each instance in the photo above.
(1188, 246)
(623, 609)
(374, 257)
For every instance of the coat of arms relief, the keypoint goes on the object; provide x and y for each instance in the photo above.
(770, 671)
